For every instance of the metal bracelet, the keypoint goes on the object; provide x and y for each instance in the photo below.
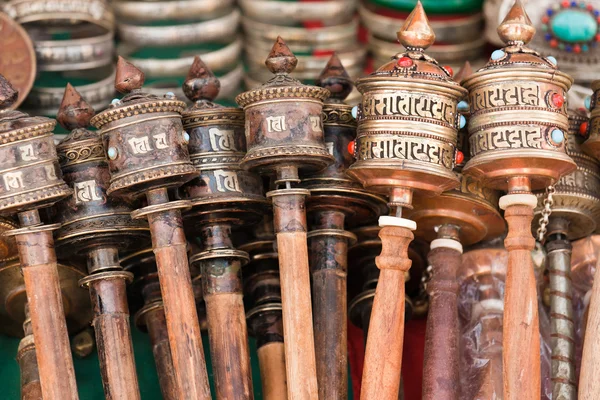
(278, 12)
(344, 45)
(175, 10)
(221, 28)
(323, 35)
(158, 68)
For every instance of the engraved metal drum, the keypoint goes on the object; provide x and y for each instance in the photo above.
(577, 195)
(592, 144)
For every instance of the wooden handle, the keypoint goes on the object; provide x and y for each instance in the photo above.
(329, 263)
(55, 364)
(383, 355)
(290, 228)
(521, 333)
(589, 384)
(229, 349)
(157, 329)
(113, 338)
(31, 387)
(441, 362)
(271, 358)
(170, 248)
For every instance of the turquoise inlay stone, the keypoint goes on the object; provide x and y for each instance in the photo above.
(115, 101)
(463, 106)
(186, 137)
(354, 112)
(462, 122)
(552, 60)
(587, 102)
(584, 47)
(497, 54)
(169, 94)
(112, 153)
(574, 26)
(558, 136)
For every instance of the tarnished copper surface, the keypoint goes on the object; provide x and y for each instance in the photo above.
(18, 63)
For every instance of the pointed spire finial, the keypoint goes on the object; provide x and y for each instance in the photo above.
(516, 26)
(201, 83)
(281, 60)
(416, 33)
(464, 72)
(335, 79)
(74, 111)
(128, 77)
(8, 94)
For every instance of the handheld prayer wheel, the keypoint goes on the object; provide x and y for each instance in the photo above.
(284, 134)
(406, 143)
(97, 226)
(335, 201)
(517, 143)
(147, 155)
(262, 293)
(222, 197)
(31, 179)
(573, 212)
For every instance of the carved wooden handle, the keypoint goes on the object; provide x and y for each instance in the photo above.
(271, 358)
(521, 333)
(157, 329)
(383, 355)
(55, 364)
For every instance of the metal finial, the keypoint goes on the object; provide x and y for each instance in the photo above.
(464, 72)
(128, 77)
(517, 26)
(201, 83)
(74, 111)
(281, 60)
(416, 32)
(8, 94)
(335, 79)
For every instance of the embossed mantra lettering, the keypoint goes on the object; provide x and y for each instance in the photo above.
(524, 94)
(27, 153)
(405, 149)
(221, 140)
(506, 138)
(13, 180)
(141, 145)
(227, 181)
(276, 124)
(408, 104)
(86, 191)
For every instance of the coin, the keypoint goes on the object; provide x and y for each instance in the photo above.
(17, 63)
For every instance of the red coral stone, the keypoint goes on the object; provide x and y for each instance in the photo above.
(404, 62)
(449, 70)
(459, 158)
(565, 4)
(352, 147)
(583, 128)
(553, 43)
(558, 100)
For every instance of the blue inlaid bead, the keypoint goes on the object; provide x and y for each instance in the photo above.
(115, 101)
(112, 153)
(552, 60)
(354, 112)
(186, 137)
(573, 4)
(548, 37)
(585, 47)
(498, 54)
(568, 48)
(597, 13)
(462, 122)
(588, 103)
(574, 26)
(462, 106)
(549, 12)
(557, 136)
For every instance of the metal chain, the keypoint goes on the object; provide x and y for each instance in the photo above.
(546, 211)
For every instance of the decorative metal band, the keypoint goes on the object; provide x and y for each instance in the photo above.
(37, 195)
(95, 11)
(295, 150)
(277, 11)
(31, 229)
(122, 224)
(138, 318)
(158, 172)
(213, 30)
(147, 107)
(338, 115)
(174, 10)
(102, 276)
(286, 92)
(83, 151)
(270, 307)
(208, 117)
(76, 54)
(351, 237)
(158, 208)
(28, 132)
(220, 253)
(216, 159)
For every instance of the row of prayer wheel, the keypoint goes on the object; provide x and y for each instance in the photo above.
(259, 220)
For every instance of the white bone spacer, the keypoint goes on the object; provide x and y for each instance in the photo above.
(517, 199)
(388, 220)
(448, 243)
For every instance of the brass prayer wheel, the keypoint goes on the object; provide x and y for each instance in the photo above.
(592, 144)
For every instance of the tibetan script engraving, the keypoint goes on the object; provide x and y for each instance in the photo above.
(86, 191)
(276, 124)
(160, 141)
(523, 94)
(27, 153)
(409, 105)
(50, 172)
(506, 138)
(392, 147)
(140, 145)
(13, 180)
(227, 181)
(315, 123)
(221, 140)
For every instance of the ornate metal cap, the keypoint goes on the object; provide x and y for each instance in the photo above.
(29, 172)
(518, 112)
(335, 79)
(283, 118)
(144, 138)
(408, 119)
(224, 191)
(90, 218)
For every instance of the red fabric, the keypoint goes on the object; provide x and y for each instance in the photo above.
(412, 358)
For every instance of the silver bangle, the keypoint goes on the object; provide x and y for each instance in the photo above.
(46, 100)
(344, 45)
(175, 10)
(74, 54)
(97, 12)
(230, 83)
(181, 35)
(331, 12)
(160, 68)
(329, 34)
(450, 31)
